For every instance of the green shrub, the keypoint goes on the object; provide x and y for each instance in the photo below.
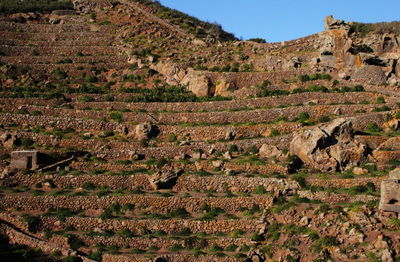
(85, 99)
(33, 222)
(233, 148)
(304, 116)
(373, 128)
(116, 116)
(172, 138)
(88, 186)
(324, 119)
(260, 190)
(216, 248)
(26, 143)
(257, 237)
(257, 40)
(175, 248)
(380, 100)
(274, 133)
(212, 213)
(382, 109)
(326, 241)
(75, 242)
(306, 78)
(180, 213)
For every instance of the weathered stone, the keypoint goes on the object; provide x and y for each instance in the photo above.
(391, 125)
(269, 151)
(333, 23)
(197, 155)
(224, 87)
(227, 155)
(217, 163)
(329, 147)
(360, 171)
(230, 134)
(8, 140)
(165, 179)
(144, 130)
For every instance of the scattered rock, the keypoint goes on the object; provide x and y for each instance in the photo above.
(227, 155)
(144, 131)
(230, 134)
(8, 140)
(360, 171)
(217, 163)
(269, 151)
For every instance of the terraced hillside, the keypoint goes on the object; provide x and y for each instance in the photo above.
(132, 132)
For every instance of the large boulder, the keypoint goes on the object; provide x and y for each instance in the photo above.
(145, 131)
(165, 179)
(329, 147)
(8, 140)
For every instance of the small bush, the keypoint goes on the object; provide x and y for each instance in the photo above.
(23, 6)
(304, 116)
(373, 128)
(257, 40)
(116, 116)
(380, 100)
(259, 190)
(172, 138)
(85, 99)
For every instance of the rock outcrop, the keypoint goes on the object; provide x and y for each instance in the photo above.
(330, 147)
(333, 23)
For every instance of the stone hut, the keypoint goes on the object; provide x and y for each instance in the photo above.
(390, 192)
(26, 159)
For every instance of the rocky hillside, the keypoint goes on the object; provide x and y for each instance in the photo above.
(133, 132)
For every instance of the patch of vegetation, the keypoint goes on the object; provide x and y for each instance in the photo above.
(257, 40)
(306, 78)
(381, 28)
(23, 6)
(167, 94)
(188, 23)
(19, 253)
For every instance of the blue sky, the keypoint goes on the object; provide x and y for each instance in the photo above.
(280, 20)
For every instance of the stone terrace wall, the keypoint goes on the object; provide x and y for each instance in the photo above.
(345, 183)
(185, 183)
(175, 258)
(323, 98)
(336, 198)
(17, 237)
(61, 122)
(171, 226)
(155, 204)
(145, 243)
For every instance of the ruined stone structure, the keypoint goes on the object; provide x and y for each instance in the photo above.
(26, 160)
(390, 192)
